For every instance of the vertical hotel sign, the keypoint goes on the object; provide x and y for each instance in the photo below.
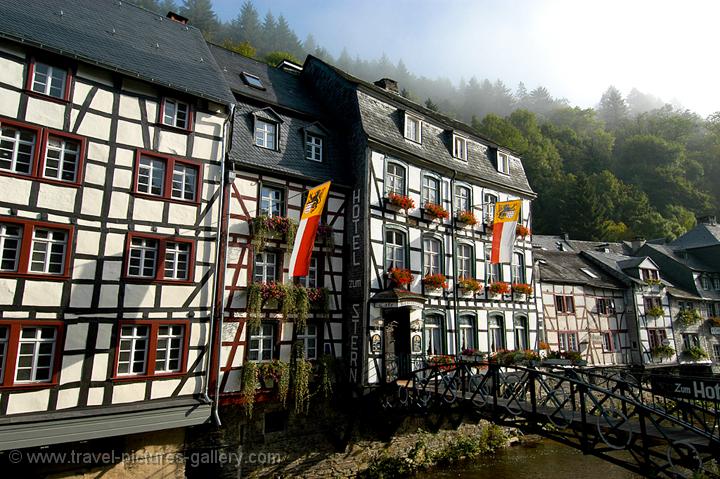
(355, 291)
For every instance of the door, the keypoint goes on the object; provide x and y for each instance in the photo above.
(397, 345)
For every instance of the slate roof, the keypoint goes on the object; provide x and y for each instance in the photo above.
(556, 242)
(689, 260)
(290, 102)
(611, 263)
(118, 36)
(701, 236)
(382, 115)
(565, 267)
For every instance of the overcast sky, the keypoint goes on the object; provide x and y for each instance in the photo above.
(575, 48)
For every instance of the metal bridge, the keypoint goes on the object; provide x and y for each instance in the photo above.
(612, 414)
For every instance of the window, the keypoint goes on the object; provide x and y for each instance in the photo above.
(261, 343)
(46, 252)
(49, 80)
(313, 147)
(394, 249)
(651, 302)
(518, 267)
(589, 273)
(413, 128)
(432, 256)
(271, 201)
(705, 281)
(17, 148)
(716, 282)
(656, 337)
(311, 280)
(308, 337)
(503, 163)
(489, 207)
(460, 147)
(716, 352)
(646, 274)
(568, 341)
(493, 271)
(62, 157)
(465, 261)
(252, 80)
(433, 335)
(431, 190)
(167, 178)
(466, 326)
(690, 341)
(265, 269)
(266, 134)
(607, 342)
(29, 352)
(496, 333)
(150, 348)
(463, 201)
(176, 114)
(521, 333)
(565, 304)
(605, 306)
(394, 179)
(159, 258)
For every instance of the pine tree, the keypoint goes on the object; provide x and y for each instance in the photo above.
(430, 105)
(246, 26)
(201, 15)
(612, 108)
(269, 38)
(310, 45)
(287, 41)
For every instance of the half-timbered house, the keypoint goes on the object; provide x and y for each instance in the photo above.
(283, 144)
(424, 189)
(111, 144)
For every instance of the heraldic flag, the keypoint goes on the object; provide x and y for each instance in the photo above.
(507, 214)
(305, 236)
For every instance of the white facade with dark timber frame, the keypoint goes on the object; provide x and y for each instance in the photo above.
(109, 207)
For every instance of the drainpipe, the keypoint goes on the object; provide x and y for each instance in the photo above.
(219, 263)
(454, 263)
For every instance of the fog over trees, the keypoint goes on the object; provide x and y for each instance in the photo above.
(631, 166)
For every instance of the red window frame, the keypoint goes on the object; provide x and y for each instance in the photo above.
(167, 183)
(39, 155)
(7, 380)
(23, 269)
(152, 349)
(69, 79)
(651, 301)
(190, 120)
(160, 260)
(564, 303)
(567, 334)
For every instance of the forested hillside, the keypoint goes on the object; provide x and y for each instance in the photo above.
(631, 166)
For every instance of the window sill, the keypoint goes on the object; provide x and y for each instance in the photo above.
(148, 281)
(28, 386)
(277, 150)
(69, 184)
(170, 199)
(176, 129)
(42, 96)
(38, 276)
(146, 377)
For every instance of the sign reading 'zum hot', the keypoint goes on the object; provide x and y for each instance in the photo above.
(686, 388)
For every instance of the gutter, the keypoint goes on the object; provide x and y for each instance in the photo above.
(454, 263)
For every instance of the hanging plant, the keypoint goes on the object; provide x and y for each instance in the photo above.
(264, 227)
(436, 211)
(319, 299)
(325, 236)
(254, 305)
(435, 281)
(655, 311)
(302, 306)
(283, 382)
(249, 385)
(696, 353)
(326, 364)
(400, 277)
(662, 352)
(400, 201)
(466, 218)
(522, 231)
(301, 380)
(470, 285)
(688, 317)
(653, 282)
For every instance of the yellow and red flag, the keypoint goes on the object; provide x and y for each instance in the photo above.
(507, 214)
(305, 236)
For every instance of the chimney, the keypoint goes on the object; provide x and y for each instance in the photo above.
(707, 220)
(388, 85)
(637, 243)
(175, 17)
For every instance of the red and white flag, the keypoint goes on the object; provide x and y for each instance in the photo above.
(507, 214)
(305, 236)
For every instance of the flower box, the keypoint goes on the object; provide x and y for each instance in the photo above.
(688, 317)
(400, 277)
(662, 352)
(271, 227)
(655, 311)
(522, 231)
(521, 291)
(435, 212)
(468, 286)
(498, 289)
(435, 281)
(465, 218)
(397, 202)
(324, 236)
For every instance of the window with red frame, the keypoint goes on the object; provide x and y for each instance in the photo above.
(167, 177)
(41, 153)
(28, 353)
(159, 258)
(568, 341)
(565, 304)
(652, 302)
(49, 80)
(28, 247)
(176, 113)
(147, 349)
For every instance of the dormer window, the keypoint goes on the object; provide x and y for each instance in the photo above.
(313, 147)
(266, 134)
(252, 80)
(503, 163)
(49, 80)
(176, 114)
(459, 147)
(649, 274)
(413, 128)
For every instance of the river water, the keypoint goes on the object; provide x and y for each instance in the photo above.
(534, 459)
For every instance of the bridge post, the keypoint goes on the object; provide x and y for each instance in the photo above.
(643, 433)
(583, 417)
(533, 395)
